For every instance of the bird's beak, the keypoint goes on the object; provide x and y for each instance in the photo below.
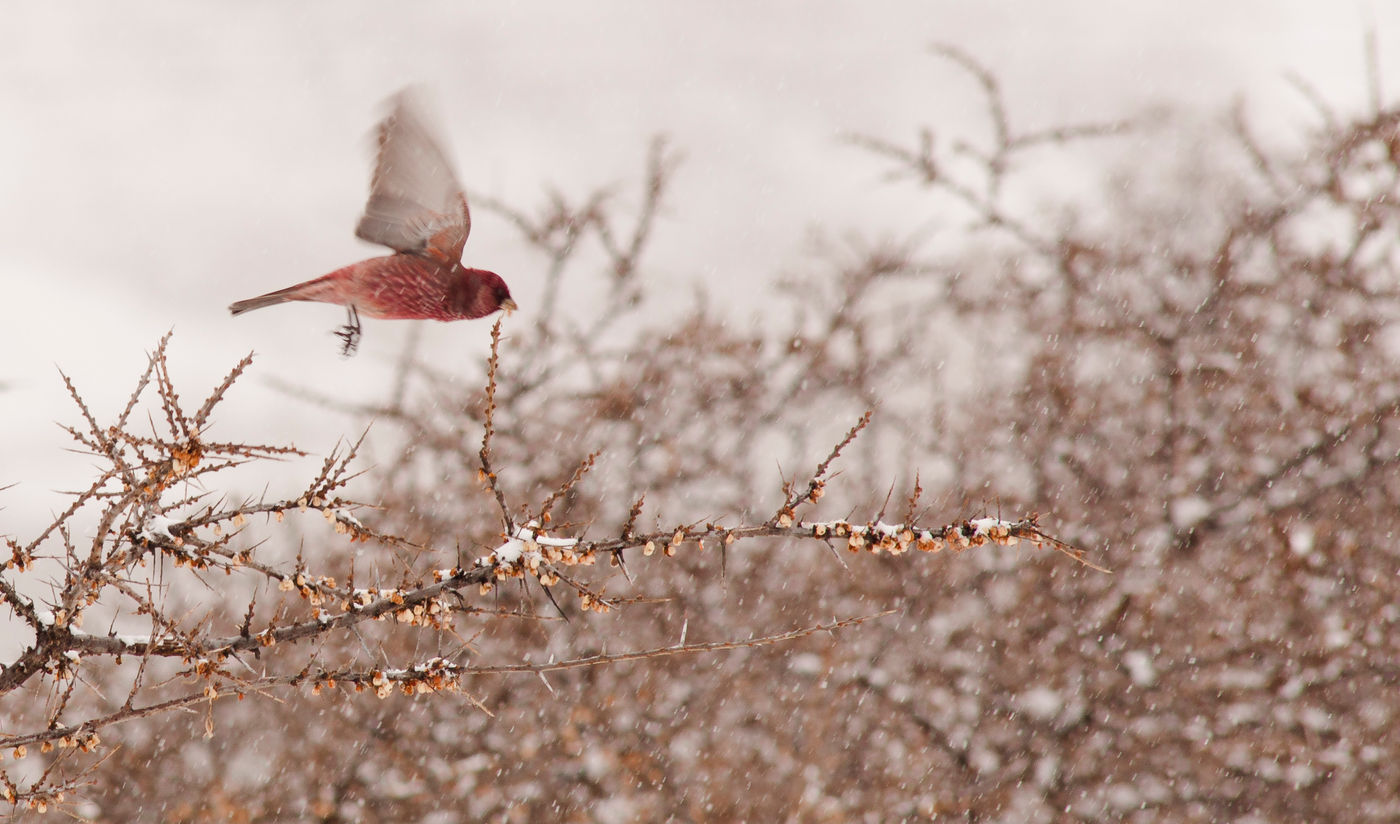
(508, 305)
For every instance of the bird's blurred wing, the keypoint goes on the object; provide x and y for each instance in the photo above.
(415, 203)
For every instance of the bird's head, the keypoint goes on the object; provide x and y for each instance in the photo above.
(487, 293)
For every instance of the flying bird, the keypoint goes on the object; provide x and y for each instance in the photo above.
(417, 208)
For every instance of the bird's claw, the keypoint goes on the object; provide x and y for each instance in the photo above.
(349, 334)
(349, 339)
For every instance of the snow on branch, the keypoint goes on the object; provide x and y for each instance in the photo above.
(160, 534)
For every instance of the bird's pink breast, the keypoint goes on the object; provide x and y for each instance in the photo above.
(403, 287)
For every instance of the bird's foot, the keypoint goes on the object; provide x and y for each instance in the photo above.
(349, 334)
(349, 339)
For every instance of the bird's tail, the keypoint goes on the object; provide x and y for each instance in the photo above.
(310, 290)
(271, 298)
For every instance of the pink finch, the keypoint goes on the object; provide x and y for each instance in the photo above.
(417, 208)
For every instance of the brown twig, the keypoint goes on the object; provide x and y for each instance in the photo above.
(488, 472)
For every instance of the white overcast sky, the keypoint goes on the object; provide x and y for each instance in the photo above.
(161, 159)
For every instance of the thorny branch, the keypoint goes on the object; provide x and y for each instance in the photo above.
(434, 676)
(149, 527)
(488, 474)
